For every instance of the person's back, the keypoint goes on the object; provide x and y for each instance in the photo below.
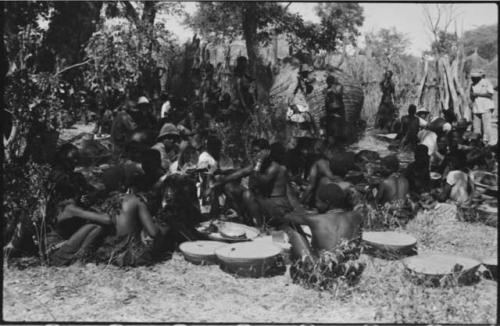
(396, 187)
(122, 128)
(459, 182)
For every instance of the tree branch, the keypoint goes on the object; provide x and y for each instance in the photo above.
(73, 66)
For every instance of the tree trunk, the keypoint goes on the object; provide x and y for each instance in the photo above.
(451, 88)
(420, 91)
(250, 34)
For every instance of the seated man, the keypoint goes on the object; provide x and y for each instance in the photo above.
(395, 187)
(409, 128)
(429, 139)
(266, 200)
(74, 230)
(393, 192)
(326, 191)
(417, 172)
(458, 186)
(168, 144)
(327, 230)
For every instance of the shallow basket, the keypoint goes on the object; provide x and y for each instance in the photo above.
(201, 252)
(251, 259)
(389, 244)
(250, 232)
(487, 214)
(441, 270)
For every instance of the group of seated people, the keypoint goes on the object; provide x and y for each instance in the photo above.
(140, 216)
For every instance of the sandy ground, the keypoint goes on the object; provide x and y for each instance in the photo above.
(177, 291)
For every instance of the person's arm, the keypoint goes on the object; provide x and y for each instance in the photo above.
(72, 210)
(380, 193)
(445, 192)
(313, 176)
(234, 176)
(147, 221)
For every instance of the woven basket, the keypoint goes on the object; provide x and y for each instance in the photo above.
(286, 82)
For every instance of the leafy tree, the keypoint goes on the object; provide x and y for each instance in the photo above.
(386, 45)
(484, 39)
(445, 44)
(257, 22)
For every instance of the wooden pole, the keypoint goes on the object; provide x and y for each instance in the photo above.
(420, 91)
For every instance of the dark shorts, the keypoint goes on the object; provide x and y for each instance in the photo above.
(275, 207)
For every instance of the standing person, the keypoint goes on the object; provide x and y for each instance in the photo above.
(386, 110)
(483, 105)
(244, 82)
(334, 120)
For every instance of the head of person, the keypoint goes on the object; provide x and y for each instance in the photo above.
(67, 157)
(331, 80)
(169, 135)
(260, 148)
(423, 113)
(442, 144)
(388, 74)
(129, 105)
(412, 110)
(390, 164)
(214, 146)
(189, 157)
(143, 103)
(449, 116)
(454, 139)
(277, 153)
(476, 75)
(305, 69)
(461, 125)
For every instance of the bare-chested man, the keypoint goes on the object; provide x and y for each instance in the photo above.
(266, 200)
(396, 186)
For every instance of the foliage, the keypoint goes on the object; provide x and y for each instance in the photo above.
(125, 56)
(224, 20)
(324, 272)
(446, 43)
(25, 198)
(484, 39)
(386, 45)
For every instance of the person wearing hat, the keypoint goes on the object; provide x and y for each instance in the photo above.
(482, 105)
(167, 144)
(142, 115)
(423, 115)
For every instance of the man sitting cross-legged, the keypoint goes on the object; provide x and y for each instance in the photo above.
(267, 196)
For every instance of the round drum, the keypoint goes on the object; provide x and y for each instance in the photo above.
(389, 244)
(201, 252)
(432, 269)
(251, 259)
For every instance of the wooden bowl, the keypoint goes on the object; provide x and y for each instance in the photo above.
(389, 244)
(251, 259)
(434, 269)
(201, 252)
(487, 214)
